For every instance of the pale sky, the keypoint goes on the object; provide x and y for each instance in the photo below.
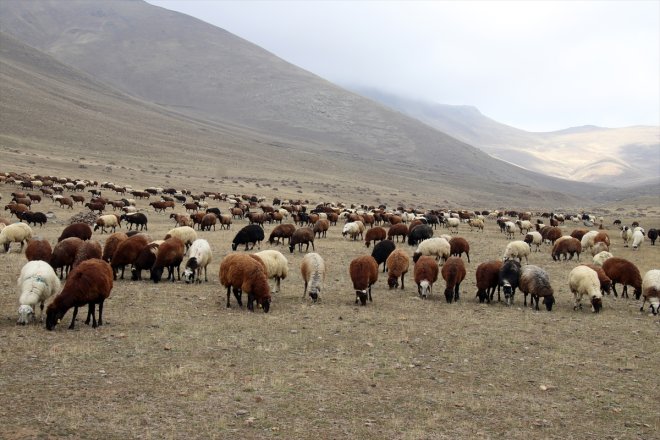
(535, 65)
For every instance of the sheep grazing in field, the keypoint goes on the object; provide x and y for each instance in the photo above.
(439, 247)
(458, 246)
(375, 234)
(476, 223)
(620, 270)
(86, 251)
(248, 235)
(602, 237)
(488, 276)
(138, 219)
(517, 249)
(452, 224)
(241, 273)
(578, 233)
(398, 230)
(199, 257)
(107, 221)
(534, 238)
(536, 282)
(181, 219)
(603, 279)
(15, 233)
(277, 266)
(364, 274)
(382, 250)
(509, 229)
(111, 245)
(64, 254)
(36, 283)
(426, 274)
(187, 235)
(567, 248)
(626, 235)
(313, 272)
(81, 230)
(127, 252)
(88, 284)
(302, 236)
(397, 267)
(321, 228)
(637, 239)
(353, 230)
(598, 248)
(601, 257)
(282, 231)
(208, 220)
(38, 249)
(170, 255)
(524, 225)
(651, 290)
(509, 278)
(145, 259)
(584, 281)
(419, 233)
(652, 235)
(453, 272)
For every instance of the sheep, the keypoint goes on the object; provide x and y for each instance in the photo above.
(107, 221)
(508, 279)
(535, 281)
(364, 274)
(524, 225)
(578, 233)
(375, 234)
(509, 229)
(476, 223)
(250, 234)
(436, 246)
(397, 230)
(36, 283)
(282, 231)
(87, 250)
(15, 233)
(517, 249)
(81, 230)
(453, 224)
(419, 233)
(208, 220)
(397, 266)
(426, 273)
(652, 235)
(626, 235)
(638, 239)
(620, 270)
(277, 266)
(111, 245)
(137, 218)
(453, 272)
(534, 238)
(321, 227)
(301, 236)
(127, 252)
(600, 257)
(33, 217)
(381, 251)
(184, 233)
(598, 248)
(488, 275)
(566, 247)
(64, 254)
(603, 279)
(242, 273)
(145, 259)
(353, 230)
(89, 283)
(199, 257)
(459, 245)
(170, 255)
(181, 219)
(584, 281)
(313, 273)
(651, 290)
(38, 249)
(602, 237)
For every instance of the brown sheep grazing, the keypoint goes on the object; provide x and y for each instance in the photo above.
(398, 230)
(64, 254)
(87, 250)
(170, 255)
(145, 260)
(375, 234)
(605, 281)
(127, 252)
(488, 277)
(535, 281)
(397, 266)
(302, 236)
(453, 272)
(111, 245)
(602, 237)
(566, 247)
(620, 270)
(281, 231)
(38, 249)
(81, 230)
(426, 273)
(578, 233)
(364, 274)
(208, 220)
(89, 283)
(243, 273)
(321, 227)
(458, 245)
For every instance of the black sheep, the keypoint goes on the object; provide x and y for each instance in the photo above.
(652, 235)
(419, 233)
(137, 219)
(215, 211)
(509, 278)
(36, 217)
(249, 234)
(382, 250)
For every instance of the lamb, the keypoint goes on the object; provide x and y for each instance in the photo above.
(86, 251)
(459, 245)
(242, 273)
(603, 279)
(397, 230)
(353, 229)
(584, 281)
(250, 234)
(534, 238)
(127, 252)
(81, 230)
(90, 283)
(567, 247)
(15, 233)
(397, 266)
(626, 235)
(107, 221)
(488, 275)
(620, 270)
(535, 281)
(453, 272)
(111, 245)
(638, 239)
(364, 274)
(313, 273)
(476, 223)
(651, 290)
(509, 279)
(382, 250)
(277, 266)
(653, 235)
(517, 249)
(302, 236)
(281, 231)
(524, 225)
(138, 219)
(186, 234)
(38, 249)
(64, 254)
(426, 273)
(170, 255)
(436, 246)
(37, 282)
(375, 234)
(145, 259)
(419, 233)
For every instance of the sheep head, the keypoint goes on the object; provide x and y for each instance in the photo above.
(449, 295)
(482, 294)
(53, 318)
(508, 293)
(362, 295)
(393, 282)
(596, 304)
(314, 294)
(424, 289)
(549, 301)
(25, 314)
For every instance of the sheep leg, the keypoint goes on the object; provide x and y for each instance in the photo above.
(228, 295)
(641, 309)
(616, 295)
(625, 291)
(250, 304)
(305, 291)
(278, 285)
(525, 300)
(73, 319)
(402, 275)
(457, 292)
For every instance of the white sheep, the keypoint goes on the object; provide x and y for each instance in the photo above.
(37, 282)
(438, 247)
(509, 229)
(626, 235)
(598, 248)
(185, 233)
(584, 281)
(651, 290)
(476, 223)
(637, 238)
(588, 240)
(600, 258)
(107, 221)
(524, 225)
(353, 229)
(453, 224)
(199, 257)
(313, 272)
(15, 233)
(517, 249)
(534, 238)
(277, 266)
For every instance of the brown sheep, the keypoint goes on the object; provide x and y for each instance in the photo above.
(170, 255)
(602, 237)
(364, 274)
(145, 259)
(488, 277)
(87, 250)
(243, 273)
(65, 201)
(578, 233)
(127, 252)
(566, 247)
(321, 227)
(38, 249)
(398, 230)
(605, 281)
(64, 254)
(552, 234)
(620, 270)
(208, 220)
(281, 231)
(89, 283)
(397, 266)
(111, 245)
(81, 230)
(302, 236)
(426, 273)
(458, 245)
(375, 234)
(535, 281)
(453, 272)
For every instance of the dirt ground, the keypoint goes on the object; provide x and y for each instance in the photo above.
(171, 361)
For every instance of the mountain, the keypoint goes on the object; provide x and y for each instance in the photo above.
(631, 155)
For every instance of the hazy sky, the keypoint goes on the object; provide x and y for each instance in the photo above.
(536, 65)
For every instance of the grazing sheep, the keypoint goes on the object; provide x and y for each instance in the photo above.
(375, 234)
(458, 246)
(302, 236)
(364, 274)
(567, 247)
(638, 239)
(170, 255)
(398, 230)
(353, 229)
(321, 227)
(381, 251)
(602, 237)
(90, 283)
(208, 220)
(453, 272)
(578, 233)
(277, 266)
(127, 252)
(626, 235)
(86, 251)
(38, 249)
(81, 230)
(598, 248)
(620, 270)
(453, 224)
(517, 249)
(535, 281)
(64, 254)
(653, 235)
(184, 233)
(551, 233)
(651, 290)
(145, 259)
(199, 257)
(37, 282)
(242, 273)
(436, 246)
(600, 257)
(584, 281)
(111, 245)
(603, 279)
(488, 276)
(426, 273)
(419, 233)
(107, 221)
(15, 233)
(250, 234)
(509, 229)
(476, 223)
(138, 219)
(524, 225)
(397, 266)
(313, 272)
(509, 279)
(282, 231)
(534, 238)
